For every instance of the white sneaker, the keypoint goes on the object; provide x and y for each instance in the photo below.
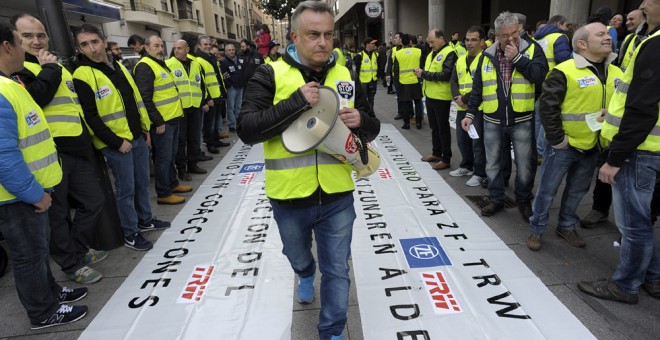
(460, 172)
(474, 181)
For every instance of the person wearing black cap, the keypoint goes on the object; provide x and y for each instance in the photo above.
(366, 63)
(273, 53)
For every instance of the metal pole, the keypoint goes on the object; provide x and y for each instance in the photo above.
(52, 13)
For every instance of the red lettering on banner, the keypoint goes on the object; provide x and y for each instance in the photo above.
(384, 173)
(440, 293)
(247, 179)
(196, 285)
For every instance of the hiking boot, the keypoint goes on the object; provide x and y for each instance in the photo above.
(66, 314)
(572, 237)
(95, 256)
(171, 200)
(607, 290)
(475, 181)
(222, 144)
(154, 224)
(592, 218)
(431, 158)
(406, 126)
(492, 208)
(525, 209)
(305, 289)
(182, 188)
(652, 288)
(68, 295)
(534, 242)
(460, 172)
(85, 275)
(194, 169)
(484, 182)
(137, 242)
(182, 175)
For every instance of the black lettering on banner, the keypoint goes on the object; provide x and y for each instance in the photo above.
(481, 262)
(441, 225)
(422, 196)
(166, 282)
(176, 252)
(390, 273)
(212, 195)
(379, 225)
(268, 208)
(135, 304)
(373, 237)
(257, 228)
(413, 335)
(245, 271)
(166, 267)
(511, 306)
(370, 206)
(388, 291)
(231, 289)
(203, 211)
(385, 249)
(256, 238)
(431, 203)
(488, 280)
(434, 212)
(204, 220)
(209, 204)
(457, 236)
(370, 216)
(197, 229)
(414, 313)
(362, 192)
(249, 257)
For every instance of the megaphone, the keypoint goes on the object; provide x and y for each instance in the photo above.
(320, 128)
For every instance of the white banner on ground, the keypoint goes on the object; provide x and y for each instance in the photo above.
(217, 273)
(427, 267)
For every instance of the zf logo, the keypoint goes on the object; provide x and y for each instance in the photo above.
(442, 298)
(424, 252)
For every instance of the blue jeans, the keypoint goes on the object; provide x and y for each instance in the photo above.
(131, 174)
(539, 133)
(578, 168)
(473, 156)
(27, 235)
(234, 99)
(332, 225)
(521, 137)
(640, 247)
(165, 147)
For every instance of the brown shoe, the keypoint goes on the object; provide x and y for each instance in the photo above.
(534, 242)
(440, 166)
(572, 237)
(431, 158)
(223, 134)
(171, 200)
(181, 188)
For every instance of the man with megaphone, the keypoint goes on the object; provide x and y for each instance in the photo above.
(311, 191)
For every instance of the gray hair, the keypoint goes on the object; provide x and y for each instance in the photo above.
(316, 6)
(522, 19)
(505, 19)
(582, 33)
(203, 37)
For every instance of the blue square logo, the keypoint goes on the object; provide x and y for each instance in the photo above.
(424, 252)
(252, 167)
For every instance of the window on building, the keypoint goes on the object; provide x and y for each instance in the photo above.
(238, 31)
(198, 16)
(222, 20)
(163, 5)
(215, 19)
(185, 9)
(172, 6)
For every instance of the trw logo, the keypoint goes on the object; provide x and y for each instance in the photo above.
(442, 298)
(196, 284)
(247, 179)
(384, 173)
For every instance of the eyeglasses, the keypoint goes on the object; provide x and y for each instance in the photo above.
(504, 36)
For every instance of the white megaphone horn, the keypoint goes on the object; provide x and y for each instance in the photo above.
(320, 128)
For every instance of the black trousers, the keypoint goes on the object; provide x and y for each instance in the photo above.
(190, 134)
(438, 112)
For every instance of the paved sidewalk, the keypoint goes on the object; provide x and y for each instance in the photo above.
(558, 265)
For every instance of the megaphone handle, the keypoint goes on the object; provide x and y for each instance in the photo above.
(364, 149)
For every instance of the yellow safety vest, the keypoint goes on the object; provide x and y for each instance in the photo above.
(439, 90)
(369, 68)
(582, 83)
(341, 58)
(629, 41)
(34, 139)
(460, 50)
(269, 60)
(408, 58)
(521, 92)
(465, 72)
(166, 94)
(616, 110)
(548, 46)
(63, 113)
(210, 78)
(290, 176)
(488, 43)
(189, 85)
(110, 104)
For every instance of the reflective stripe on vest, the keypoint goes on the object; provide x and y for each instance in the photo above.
(409, 60)
(616, 109)
(63, 112)
(439, 90)
(210, 78)
(521, 92)
(368, 67)
(582, 83)
(166, 95)
(110, 104)
(548, 46)
(290, 176)
(465, 72)
(631, 39)
(34, 139)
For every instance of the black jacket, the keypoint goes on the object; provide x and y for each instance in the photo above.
(260, 120)
(42, 88)
(447, 66)
(87, 99)
(235, 70)
(252, 59)
(642, 101)
(144, 79)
